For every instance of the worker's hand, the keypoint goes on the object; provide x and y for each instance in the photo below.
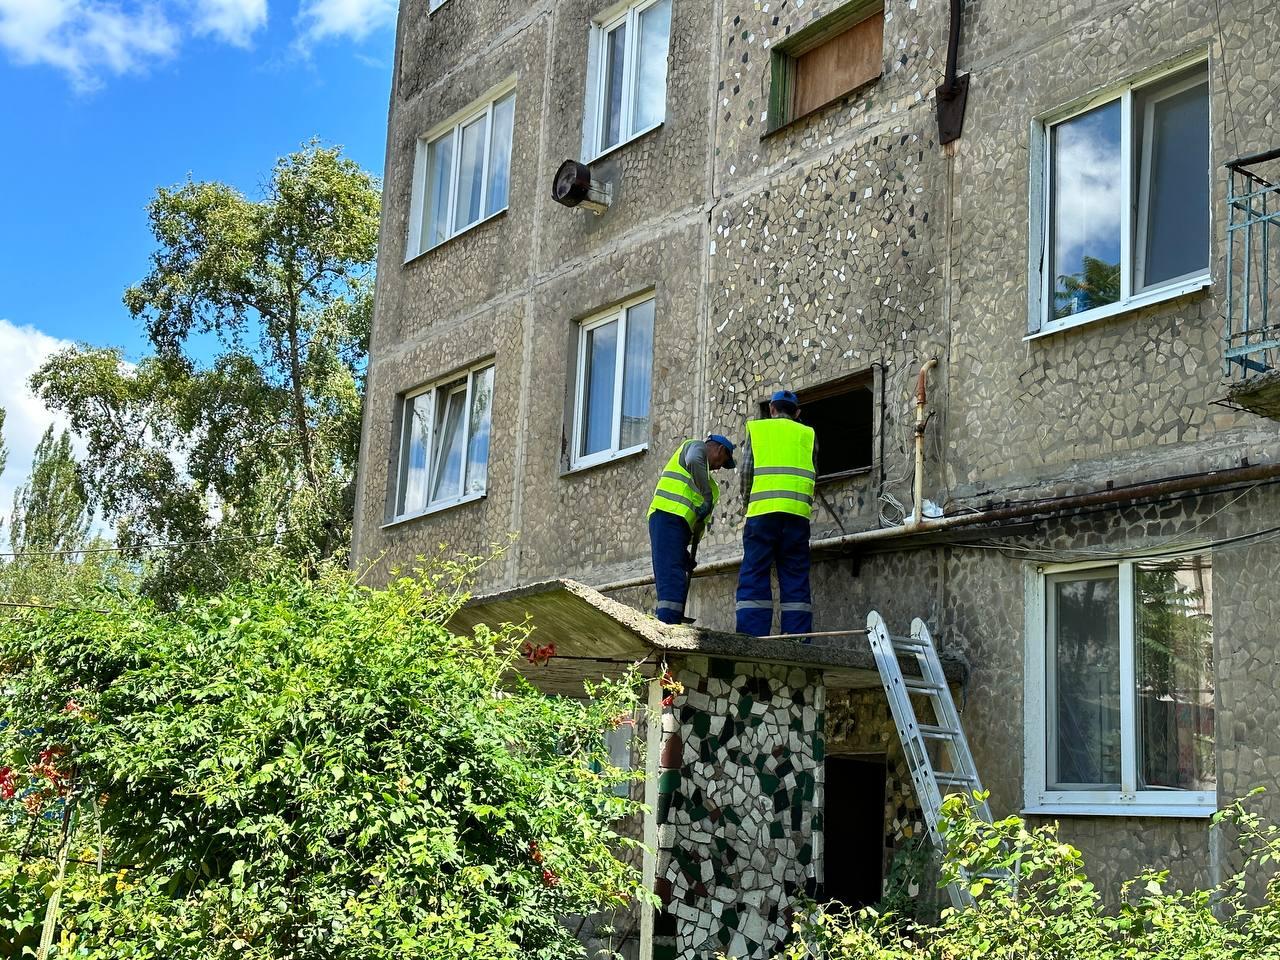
(690, 561)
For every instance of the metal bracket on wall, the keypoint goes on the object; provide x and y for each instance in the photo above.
(951, 104)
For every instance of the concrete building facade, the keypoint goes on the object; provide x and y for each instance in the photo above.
(786, 215)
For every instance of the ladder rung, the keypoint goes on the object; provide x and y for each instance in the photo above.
(909, 643)
(922, 686)
(937, 733)
(953, 778)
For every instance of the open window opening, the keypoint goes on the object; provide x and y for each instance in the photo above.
(842, 414)
(853, 830)
(825, 61)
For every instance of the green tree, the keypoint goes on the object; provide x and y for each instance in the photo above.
(1096, 285)
(49, 512)
(4, 453)
(54, 557)
(257, 446)
(300, 769)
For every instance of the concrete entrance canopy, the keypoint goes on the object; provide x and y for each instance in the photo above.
(598, 637)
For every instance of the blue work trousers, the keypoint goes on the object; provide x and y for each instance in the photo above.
(781, 540)
(669, 538)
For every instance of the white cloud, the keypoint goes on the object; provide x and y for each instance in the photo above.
(235, 21)
(86, 38)
(354, 19)
(24, 349)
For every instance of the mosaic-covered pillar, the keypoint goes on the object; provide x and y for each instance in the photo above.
(739, 806)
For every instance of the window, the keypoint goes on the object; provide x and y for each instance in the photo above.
(462, 175)
(1124, 218)
(1120, 689)
(626, 76)
(615, 373)
(444, 443)
(842, 414)
(825, 61)
(434, 5)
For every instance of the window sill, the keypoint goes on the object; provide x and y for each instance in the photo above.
(1138, 302)
(433, 509)
(627, 142)
(843, 475)
(461, 233)
(583, 467)
(1201, 810)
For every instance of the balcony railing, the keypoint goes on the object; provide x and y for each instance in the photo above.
(1252, 337)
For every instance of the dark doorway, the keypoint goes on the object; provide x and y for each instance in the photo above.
(853, 830)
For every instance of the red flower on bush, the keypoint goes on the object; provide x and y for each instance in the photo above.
(534, 851)
(8, 787)
(550, 878)
(73, 706)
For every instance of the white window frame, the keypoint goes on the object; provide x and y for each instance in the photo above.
(618, 314)
(1128, 801)
(435, 390)
(418, 204)
(598, 83)
(1040, 320)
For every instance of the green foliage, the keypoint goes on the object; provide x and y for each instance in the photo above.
(257, 447)
(301, 769)
(54, 556)
(1054, 912)
(1096, 285)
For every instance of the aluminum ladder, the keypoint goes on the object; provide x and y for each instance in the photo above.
(959, 774)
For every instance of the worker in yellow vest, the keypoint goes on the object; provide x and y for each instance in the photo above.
(679, 515)
(778, 476)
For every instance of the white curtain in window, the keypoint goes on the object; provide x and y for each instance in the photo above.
(504, 112)
(439, 191)
(471, 173)
(478, 432)
(448, 446)
(416, 438)
(637, 376)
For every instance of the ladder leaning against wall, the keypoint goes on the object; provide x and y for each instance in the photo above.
(954, 770)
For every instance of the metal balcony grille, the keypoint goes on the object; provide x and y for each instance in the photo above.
(1252, 338)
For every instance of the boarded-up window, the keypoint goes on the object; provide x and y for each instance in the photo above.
(825, 61)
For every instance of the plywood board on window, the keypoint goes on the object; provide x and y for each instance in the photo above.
(843, 63)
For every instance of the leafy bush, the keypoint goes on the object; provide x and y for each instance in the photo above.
(299, 769)
(1053, 912)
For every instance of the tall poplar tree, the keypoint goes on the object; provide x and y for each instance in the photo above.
(238, 436)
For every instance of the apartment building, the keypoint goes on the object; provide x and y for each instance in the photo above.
(800, 193)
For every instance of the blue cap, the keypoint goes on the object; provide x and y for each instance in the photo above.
(728, 445)
(784, 396)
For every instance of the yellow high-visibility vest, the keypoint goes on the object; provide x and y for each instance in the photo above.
(676, 492)
(783, 473)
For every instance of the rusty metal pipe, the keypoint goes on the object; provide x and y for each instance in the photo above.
(1254, 473)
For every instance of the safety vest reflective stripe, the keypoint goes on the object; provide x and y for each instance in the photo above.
(780, 495)
(783, 474)
(676, 493)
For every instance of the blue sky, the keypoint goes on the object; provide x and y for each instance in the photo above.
(105, 101)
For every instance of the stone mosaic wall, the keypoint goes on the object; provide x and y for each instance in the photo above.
(739, 806)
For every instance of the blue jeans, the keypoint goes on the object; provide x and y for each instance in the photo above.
(782, 540)
(669, 538)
